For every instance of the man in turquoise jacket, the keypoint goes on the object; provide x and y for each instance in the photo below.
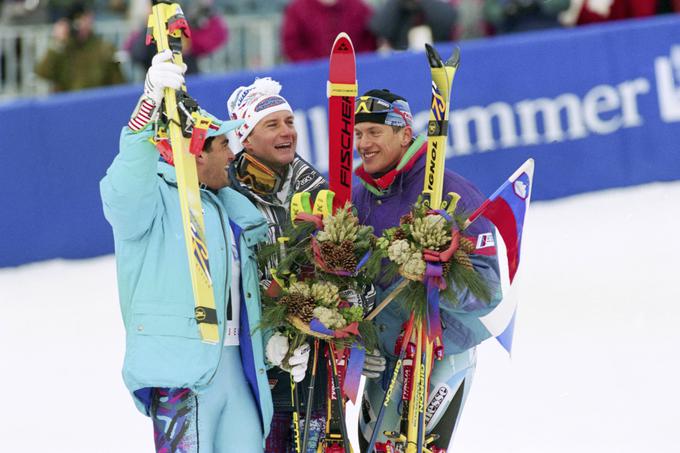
(215, 396)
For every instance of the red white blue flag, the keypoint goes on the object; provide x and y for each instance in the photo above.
(506, 209)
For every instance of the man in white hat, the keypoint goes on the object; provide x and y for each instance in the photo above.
(268, 171)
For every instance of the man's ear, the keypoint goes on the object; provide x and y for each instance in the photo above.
(246, 144)
(407, 136)
(200, 159)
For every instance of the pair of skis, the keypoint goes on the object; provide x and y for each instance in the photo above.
(341, 92)
(415, 350)
(166, 26)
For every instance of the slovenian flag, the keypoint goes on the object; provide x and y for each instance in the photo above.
(506, 209)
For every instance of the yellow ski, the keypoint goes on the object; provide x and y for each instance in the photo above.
(433, 188)
(438, 124)
(166, 26)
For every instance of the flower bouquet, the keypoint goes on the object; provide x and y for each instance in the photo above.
(323, 272)
(428, 247)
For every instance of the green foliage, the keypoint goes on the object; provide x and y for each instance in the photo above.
(463, 277)
(352, 314)
(369, 336)
(414, 299)
(373, 267)
(273, 315)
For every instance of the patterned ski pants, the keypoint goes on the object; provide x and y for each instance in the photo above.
(222, 418)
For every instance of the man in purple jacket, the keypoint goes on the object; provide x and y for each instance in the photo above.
(392, 175)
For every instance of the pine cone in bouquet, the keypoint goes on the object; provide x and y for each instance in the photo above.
(339, 256)
(466, 245)
(462, 255)
(299, 305)
(399, 233)
(406, 219)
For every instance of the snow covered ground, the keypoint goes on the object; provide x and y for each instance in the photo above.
(594, 367)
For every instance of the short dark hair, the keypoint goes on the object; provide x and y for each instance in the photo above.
(76, 10)
(207, 143)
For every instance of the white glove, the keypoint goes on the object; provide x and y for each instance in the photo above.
(374, 364)
(163, 73)
(276, 349)
(298, 363)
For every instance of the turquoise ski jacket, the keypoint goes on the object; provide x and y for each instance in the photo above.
(163, 345)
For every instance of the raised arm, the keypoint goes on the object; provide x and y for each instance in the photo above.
(130, 189)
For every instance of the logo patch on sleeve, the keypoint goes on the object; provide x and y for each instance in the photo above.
(485, 240)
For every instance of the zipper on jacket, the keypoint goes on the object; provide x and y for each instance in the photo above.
(227, 287)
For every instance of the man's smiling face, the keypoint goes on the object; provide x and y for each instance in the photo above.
(380, 146)
(274, 140)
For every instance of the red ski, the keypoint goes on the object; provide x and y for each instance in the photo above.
(341, 91)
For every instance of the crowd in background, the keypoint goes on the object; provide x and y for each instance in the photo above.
(307, 30)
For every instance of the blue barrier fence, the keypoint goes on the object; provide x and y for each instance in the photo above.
(597, 107)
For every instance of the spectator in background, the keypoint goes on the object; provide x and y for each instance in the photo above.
(251, 6)
(594, 11)
(394, 21)
(510, 16)
(668, 6)
(104, 9)
(209, 32)
(78, 58)
(310, 27)
(470, 23)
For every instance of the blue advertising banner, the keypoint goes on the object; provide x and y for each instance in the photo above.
(596, 107)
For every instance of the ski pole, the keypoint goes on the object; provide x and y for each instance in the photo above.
(422, 390)
(295, 401)
(395, 374)
(338, 399)
(310, 396)
(416, 378)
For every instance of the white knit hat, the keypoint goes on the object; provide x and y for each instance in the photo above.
(254, 102)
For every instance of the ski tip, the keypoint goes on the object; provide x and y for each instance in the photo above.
(433, 56)
(454, 60)
(342, 43)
